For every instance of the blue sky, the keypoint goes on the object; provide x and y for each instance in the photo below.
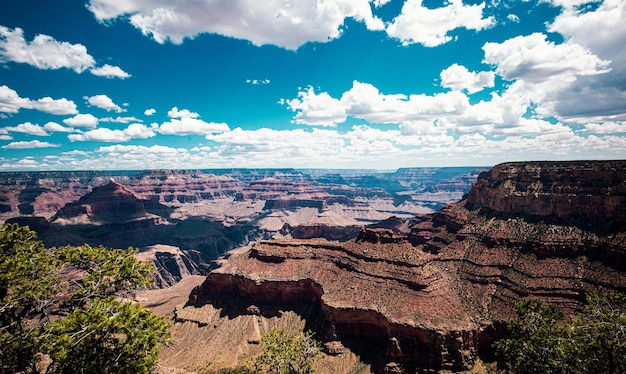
(143, 84)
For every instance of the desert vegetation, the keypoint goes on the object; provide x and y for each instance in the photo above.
(63, 310)
(543, 341)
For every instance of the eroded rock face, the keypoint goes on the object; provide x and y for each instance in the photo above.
(591, 191)
(183, 186)
(435, 296)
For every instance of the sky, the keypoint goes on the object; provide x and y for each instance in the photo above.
(377, 84)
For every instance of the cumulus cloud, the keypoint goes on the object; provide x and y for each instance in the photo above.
(316, 109)
(285, 24)
(29, 145)
(103, 102)
(141, 150)
(11, 102)
(120, 119)
(184, 113)
(257, 82)
(554, 76)
(149, 111)
(534, 59)
(54, 106)
(362, 146)
(190, 126)
(365, 146)
(601, 31)
(43, 52)
(457, 77)
(82, 120)
(55, 127)
(606, 128)
(430, 27)
(366, 102)
(133, 131)
(109, 71)
(28, 128)
(513, 18)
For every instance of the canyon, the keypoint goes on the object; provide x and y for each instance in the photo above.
(412, 271)
(427, 294)
(185, 219)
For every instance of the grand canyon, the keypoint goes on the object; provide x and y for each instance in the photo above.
(411, 271)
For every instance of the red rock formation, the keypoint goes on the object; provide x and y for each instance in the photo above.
(112, 203)
(435, 298)
(183, 186)
(592, 191)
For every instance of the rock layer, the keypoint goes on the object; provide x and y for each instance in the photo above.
(436, 296)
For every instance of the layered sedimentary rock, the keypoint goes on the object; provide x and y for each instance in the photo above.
(435, 294)
(44, 193)
(171, 264)
(112, 203)
(590, 191)
(183, 186)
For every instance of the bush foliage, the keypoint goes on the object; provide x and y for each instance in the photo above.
(542, 341)
(286, 354)
(61, 309)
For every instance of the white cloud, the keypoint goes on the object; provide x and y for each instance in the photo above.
(120, 119)
(287, 24)
(29, 145)
(5, 137)
(149, 112)
(316, 109)
(567, 4)
(28, 128)
(190, 126)
(134, 131)
(54, 106)
(430, 27)
(606, 128)
(43, 52)
(513, 18)
(534, 59)
(82, 120)
(257, 82)
(457, 77)
(55, 127)
(364, 101)
(602, 31)
(362, 146)
(185, 113)
(109, 71)
(104, 102)
(25, 163)
(547, 72)
(11, 102)
(141, 150)
(139, 131)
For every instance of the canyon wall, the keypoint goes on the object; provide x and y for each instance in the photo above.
(434, 296)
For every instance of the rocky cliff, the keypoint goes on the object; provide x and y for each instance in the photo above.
(434, 296)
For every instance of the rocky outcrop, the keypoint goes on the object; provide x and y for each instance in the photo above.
(171, 264)
(321, 231)
(586, 194)
(183, 186)
(110, 204)
(434, 294)
(44, 193)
